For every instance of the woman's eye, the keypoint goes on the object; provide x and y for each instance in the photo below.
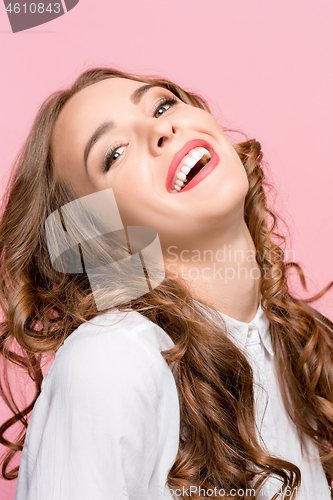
(112, 156)
(163, 106)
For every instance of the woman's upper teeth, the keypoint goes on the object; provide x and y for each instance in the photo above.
(188, 163)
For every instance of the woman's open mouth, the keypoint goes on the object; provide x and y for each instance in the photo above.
(194, 161)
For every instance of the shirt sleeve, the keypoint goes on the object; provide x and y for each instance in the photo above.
(100, 426)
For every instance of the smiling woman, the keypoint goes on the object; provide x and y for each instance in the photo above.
(143, 152)
(215, 382)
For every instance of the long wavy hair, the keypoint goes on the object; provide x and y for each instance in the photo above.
(218, 444)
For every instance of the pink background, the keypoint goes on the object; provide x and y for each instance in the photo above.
(265, 67)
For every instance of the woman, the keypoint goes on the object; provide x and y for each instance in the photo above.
(217, 382)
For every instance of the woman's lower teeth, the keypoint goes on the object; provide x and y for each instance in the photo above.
(178, 186)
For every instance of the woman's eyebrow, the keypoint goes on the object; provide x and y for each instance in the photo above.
(101, 130)
(106, 126)
(138, 93)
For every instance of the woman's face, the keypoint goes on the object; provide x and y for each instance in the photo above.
(113, 135)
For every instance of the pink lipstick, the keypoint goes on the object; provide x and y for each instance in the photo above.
(182, 159)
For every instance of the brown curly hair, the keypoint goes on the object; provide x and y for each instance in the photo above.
(218, 445)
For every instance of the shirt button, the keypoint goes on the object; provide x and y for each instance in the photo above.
(250, 331)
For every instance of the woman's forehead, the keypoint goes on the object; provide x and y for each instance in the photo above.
(89, 104)
(112, 89)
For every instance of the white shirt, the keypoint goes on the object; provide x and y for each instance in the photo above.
(275, 427)
(106, 424)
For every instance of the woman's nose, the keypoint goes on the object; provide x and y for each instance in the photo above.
(160, 133)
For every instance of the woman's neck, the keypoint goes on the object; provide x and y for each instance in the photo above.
(221, 271)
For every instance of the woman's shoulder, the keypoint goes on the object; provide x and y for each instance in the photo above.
(113, 345)
(107, 418)
(117, 327)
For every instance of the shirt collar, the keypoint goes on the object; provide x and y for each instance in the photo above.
(239, 329)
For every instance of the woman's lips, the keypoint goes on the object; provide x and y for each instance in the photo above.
(180, 155)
